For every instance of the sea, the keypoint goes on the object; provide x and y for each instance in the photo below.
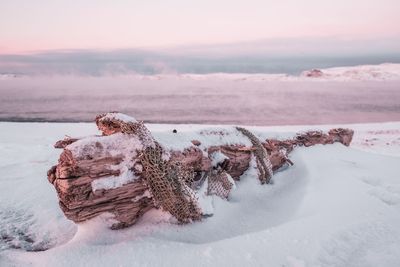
(77, 89)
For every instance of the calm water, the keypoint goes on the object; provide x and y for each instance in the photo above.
(213, 100)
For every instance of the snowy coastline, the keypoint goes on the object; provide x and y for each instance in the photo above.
(379, 72)
(336, 206)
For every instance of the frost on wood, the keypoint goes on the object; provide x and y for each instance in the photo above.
(126, 172)
(168, 181)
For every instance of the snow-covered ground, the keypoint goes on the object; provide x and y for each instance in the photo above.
(380, 72)
(337, 206)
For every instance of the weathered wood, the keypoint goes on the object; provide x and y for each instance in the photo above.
(65, 142)
(74, 174)
(239, 158)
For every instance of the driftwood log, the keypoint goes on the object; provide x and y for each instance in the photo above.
(75, 173)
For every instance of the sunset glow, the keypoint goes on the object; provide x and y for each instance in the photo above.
(30, 26)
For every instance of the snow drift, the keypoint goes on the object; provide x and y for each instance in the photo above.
(335, 207)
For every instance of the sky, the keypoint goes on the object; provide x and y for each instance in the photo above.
(42, 25)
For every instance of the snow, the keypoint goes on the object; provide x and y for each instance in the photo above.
(119, 116)
(205, 201)
(377, 72)
(110, 182)
(217, 157)
(230, 179)
(112, 145)
(104, 146)
(337, 206)
(208, 136)
(380, 72)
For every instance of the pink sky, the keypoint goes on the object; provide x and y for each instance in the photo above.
(102, 24)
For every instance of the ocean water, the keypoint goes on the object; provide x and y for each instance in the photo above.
(94, 63)
(212, 100)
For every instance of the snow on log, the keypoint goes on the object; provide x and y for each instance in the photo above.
(110, 174)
